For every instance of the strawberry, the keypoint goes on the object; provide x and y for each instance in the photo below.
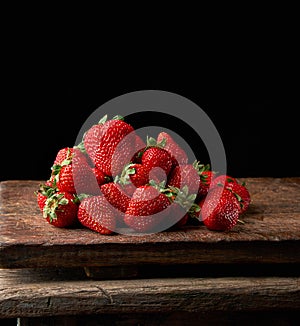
(195, 176)
(45, 190)
(241, 193)
(63, 154)
(220, 210)
(182, 205)
(140, 147)
(222, 180)
(134, 173)
(74, 175)
(60, 209)
(110, 144)
(147, 209)
(205, 181)
(100, 176)
(118, 196)
(185, 175)
(156, 157)
(179, 156)
(95, 213)
(178, 216)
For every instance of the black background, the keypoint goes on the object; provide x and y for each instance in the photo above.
(244, 79)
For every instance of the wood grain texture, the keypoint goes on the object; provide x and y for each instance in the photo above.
(36, 297)
(271, 234)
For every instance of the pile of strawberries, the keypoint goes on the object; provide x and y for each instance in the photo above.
(113, 180)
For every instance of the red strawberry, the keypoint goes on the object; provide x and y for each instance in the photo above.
(140, 147)
(182, 205)
(222, 180)
(134, 173)
(95, 213)
(185, 175)
(147, 209)
(118, 196)
(205, 182)
(61, 209)
(100, 176)
(220, 210)
(110, 144)
(178, 216)
(74, 175)
(178, 155)
(156, 157)
(63, 154)
(196, 176)
(241, 193)
(45, 190)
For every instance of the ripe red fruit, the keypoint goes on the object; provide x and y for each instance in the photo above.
(185, 175)
(100, 176)
(95, 213)
(222, 180)
(146, 209)
(156, 157)
(74, 175)
(241, 193)
(205, 182)
(134, 173)
(220, 210)
(196, 176)
(60, 209)
(45, 191)
(63, 154)
(178, 155)
(140, 147)
(177, 215)
(118, 196)
(110, 145)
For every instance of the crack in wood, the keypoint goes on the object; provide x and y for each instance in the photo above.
(106, 294)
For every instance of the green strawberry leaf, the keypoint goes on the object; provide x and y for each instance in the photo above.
(80, 146)
(118, 117)
(239, 198)
(80, 197)
(151, 142)
(63, 201)
(162, 143)
(102, 120)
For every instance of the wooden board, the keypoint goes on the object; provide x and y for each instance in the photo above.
(271, 234)
(42, 293)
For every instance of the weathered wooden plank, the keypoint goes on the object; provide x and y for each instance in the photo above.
(75, 297)
(165, 319)
(271, 234)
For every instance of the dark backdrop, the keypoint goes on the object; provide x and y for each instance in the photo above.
(247, 86)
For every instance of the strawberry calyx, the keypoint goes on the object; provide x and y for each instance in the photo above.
(237, 196)
(52, 204)
(56, 168)
(46, 190)
(124, 178)
(79, 198)
(104, 119)
(183, 198)
(118, 117)
(161, 186)
(80, 146)
(201, 168)
(152, 142)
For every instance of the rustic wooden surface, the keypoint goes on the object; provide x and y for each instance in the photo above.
(43, 293)
(271, 234)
